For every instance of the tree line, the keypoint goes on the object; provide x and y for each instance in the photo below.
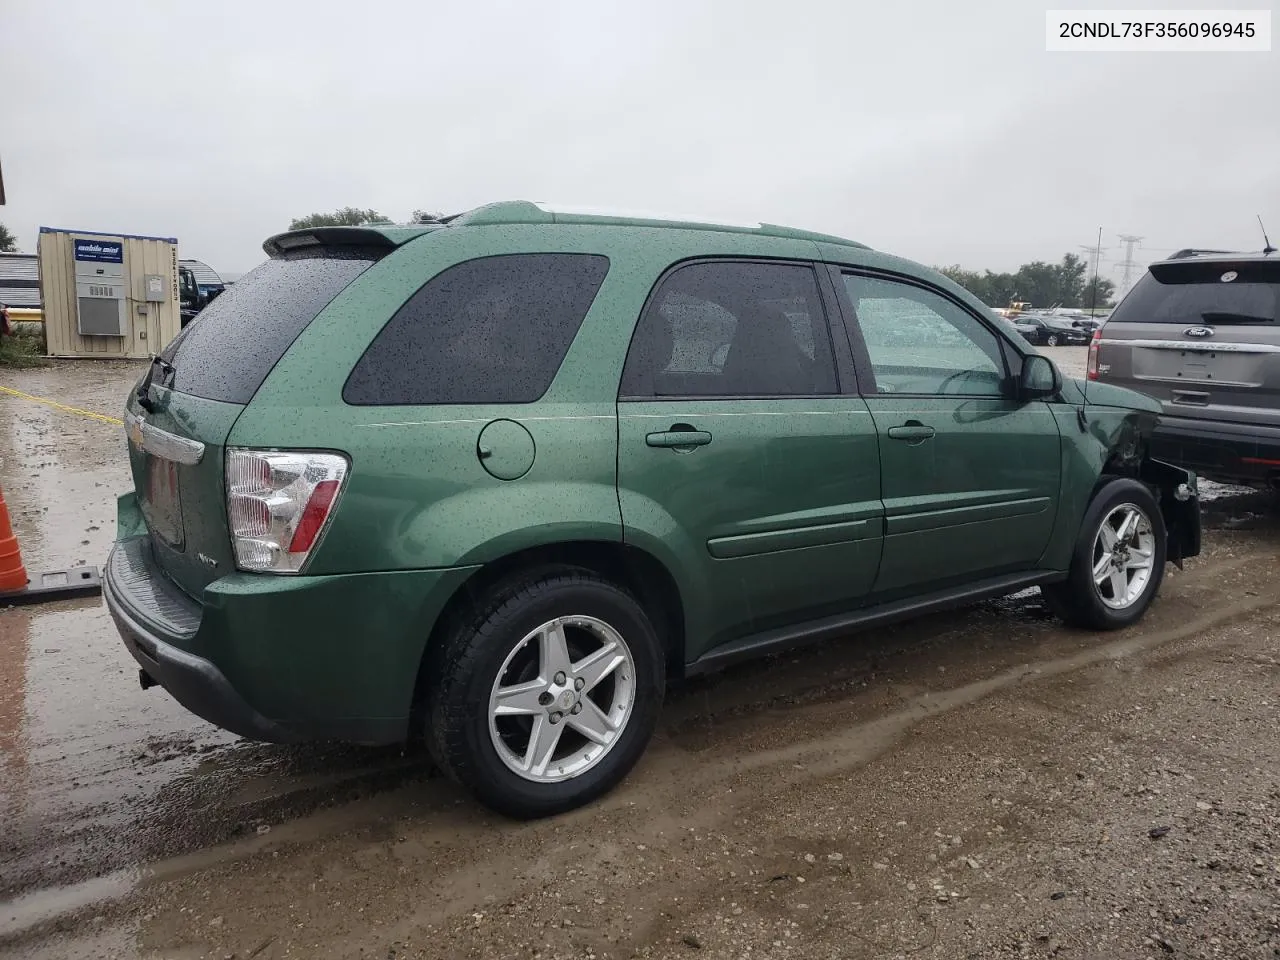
(1041, 284)
(353, 217)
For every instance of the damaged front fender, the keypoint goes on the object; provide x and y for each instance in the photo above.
(1122, 423)
(1101, 442)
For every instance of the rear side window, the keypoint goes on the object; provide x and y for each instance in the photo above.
(229, 348)
(492, 330)
(732, 329)
(1197, 294)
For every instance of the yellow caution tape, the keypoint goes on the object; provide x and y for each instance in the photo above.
(102, 417)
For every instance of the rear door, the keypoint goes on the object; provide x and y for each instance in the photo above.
(739, 449)
(1202, 337)
(179, 415)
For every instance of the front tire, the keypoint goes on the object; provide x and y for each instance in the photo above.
(547, 695)
(1118, 562)
(1052, 340)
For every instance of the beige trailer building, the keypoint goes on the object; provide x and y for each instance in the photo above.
(108, 295)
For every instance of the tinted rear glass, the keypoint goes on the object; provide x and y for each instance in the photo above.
(732, 329)
(1195, 293)
(492, 330)
(229, 348)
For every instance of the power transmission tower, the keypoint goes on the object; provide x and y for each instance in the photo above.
(1092, 252)
(1092, 263)
(1128, 263)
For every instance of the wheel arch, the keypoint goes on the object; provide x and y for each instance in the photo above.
(638, 571)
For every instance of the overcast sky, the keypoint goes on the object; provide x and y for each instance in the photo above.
(938, 130)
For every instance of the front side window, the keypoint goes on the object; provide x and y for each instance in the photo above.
(491, 330)
(732, 330)
(921, 343)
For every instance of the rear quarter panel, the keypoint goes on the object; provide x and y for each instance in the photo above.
(418, 496)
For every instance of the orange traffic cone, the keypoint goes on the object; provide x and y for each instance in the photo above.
(13, 575)
(15, 587)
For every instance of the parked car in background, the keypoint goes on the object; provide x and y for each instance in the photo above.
(198, 286)
(492, 482)
(1199, 333)
(1050, 331)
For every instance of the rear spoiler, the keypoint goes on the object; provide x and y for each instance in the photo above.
(370, 238)
(1247, 268)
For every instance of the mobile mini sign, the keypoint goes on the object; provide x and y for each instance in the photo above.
(100, 251)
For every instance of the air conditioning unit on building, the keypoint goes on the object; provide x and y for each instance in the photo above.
(100, 287)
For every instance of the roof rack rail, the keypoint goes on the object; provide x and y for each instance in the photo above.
(1196, 252)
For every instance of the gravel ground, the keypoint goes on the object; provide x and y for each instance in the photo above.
(984, 783)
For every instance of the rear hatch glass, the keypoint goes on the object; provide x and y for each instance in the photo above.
(1207, 292)
(1201, 336)
(231, 346)
(199, 386)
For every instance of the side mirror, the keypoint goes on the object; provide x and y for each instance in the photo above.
(1040, 378)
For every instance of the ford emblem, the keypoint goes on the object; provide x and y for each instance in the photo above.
(1229, 276)
(1198, 332)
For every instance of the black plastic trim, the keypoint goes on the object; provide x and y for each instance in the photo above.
(147, 593)
(1217, 429)
(1219, 451)
(1181, 512)
(828, 628)
(315, 237)
(193, 681)
(846, 363)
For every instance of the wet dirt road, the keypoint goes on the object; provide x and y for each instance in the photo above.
(979, 784)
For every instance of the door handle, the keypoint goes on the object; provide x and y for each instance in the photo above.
(913, 431)
(680, 435)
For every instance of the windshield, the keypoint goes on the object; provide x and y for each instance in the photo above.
(228, 350)
(1196, 293)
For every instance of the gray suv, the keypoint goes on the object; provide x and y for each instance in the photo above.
(1199, 332)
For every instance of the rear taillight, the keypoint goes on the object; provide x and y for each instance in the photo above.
(278, 504)
(1091, 370)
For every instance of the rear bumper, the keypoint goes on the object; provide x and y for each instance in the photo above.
(282, 659)
(1228, 452)
(193, 681)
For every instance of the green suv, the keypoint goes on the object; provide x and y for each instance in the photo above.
(494, 480)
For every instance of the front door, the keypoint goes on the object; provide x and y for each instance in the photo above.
(739, 459)
(970, 474)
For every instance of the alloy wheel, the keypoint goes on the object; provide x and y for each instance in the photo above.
(1123, 556)
(562, 699)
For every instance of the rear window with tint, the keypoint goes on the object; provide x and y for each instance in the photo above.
(229, 348)
(492, 330)
(1195, 293)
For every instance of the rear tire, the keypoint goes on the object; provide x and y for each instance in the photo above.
(1118, 562)
(519, 711)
